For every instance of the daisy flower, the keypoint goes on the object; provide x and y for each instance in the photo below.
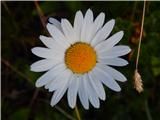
(78, 59)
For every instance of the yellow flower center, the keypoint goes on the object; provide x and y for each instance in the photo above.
(80, 58)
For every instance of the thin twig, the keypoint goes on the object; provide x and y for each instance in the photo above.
(34, 97)
(140, 39)
(5, 62)
(64, 113)
(23, 76)
(11, 16)
(77, 113)
(67, 115)
(40, 13)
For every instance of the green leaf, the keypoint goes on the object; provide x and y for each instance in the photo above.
(156, 66)
(20, 114)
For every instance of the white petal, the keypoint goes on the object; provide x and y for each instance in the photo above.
(116, 51)
(72, 91)
(78, 22)
(113, 61)
(87, 26)
(68, 31)
(57, 35)
(91, 93)
(44, 65)
(51, 43)
(106, 79)
(114, 73)
(50, 75)
(97, 85)
(47, 53)
(58, 94)
(103, 33)
(97, 24)
(55, 23)
(60, 80)
(47, 85)
(48, 41)
(82, 92)
(110, 42)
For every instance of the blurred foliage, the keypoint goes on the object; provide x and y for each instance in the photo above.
(21, 28)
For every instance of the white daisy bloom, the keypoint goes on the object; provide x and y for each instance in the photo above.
(78, 59)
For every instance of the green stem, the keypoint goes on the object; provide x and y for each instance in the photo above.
(77, 113)
(148, 111)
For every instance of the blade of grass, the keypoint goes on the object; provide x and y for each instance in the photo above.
(137, 77)
(140, 39)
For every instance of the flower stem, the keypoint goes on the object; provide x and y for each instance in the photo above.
(77, 113)
(140, 39)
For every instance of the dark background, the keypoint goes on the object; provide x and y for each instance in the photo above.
(21, 27)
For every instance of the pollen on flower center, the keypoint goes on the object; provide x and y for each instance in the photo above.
(80, 57)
